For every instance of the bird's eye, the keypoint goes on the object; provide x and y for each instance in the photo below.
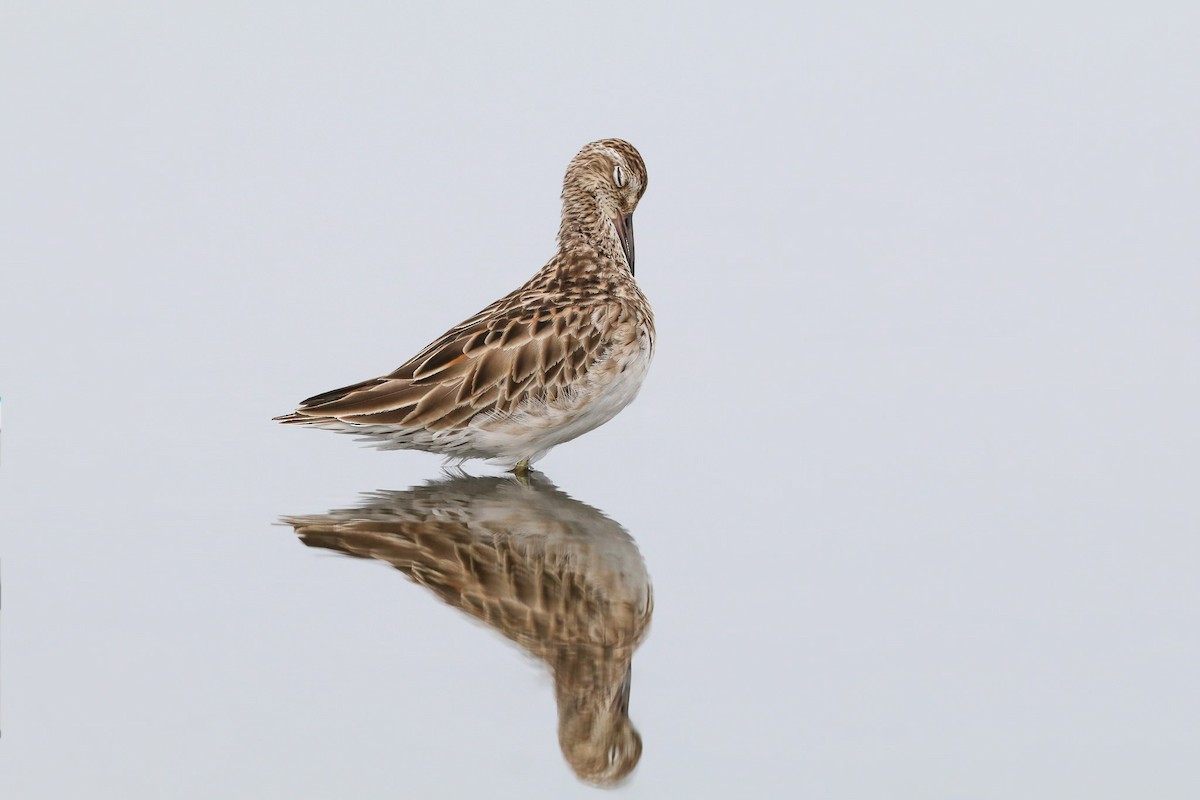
(619, 177)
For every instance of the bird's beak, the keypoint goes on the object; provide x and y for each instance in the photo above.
(624, 226)
(620, 703)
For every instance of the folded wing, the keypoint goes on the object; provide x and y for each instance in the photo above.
(509, 353)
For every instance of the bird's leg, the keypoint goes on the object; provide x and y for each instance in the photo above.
(521, 470)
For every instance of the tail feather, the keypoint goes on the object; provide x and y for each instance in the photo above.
(311, 403)
(292, 419)
(337, 394)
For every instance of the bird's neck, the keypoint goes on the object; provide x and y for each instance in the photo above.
(585, 229)
(588, 675)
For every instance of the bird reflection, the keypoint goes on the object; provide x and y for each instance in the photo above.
(554, 575)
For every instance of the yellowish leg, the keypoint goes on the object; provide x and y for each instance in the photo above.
(521, 470)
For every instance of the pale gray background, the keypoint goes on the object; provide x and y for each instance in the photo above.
(914, 472)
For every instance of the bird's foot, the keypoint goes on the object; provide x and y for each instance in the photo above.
(521, 471)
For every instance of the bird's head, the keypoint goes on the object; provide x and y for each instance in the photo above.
(603, 185)
(596, 734)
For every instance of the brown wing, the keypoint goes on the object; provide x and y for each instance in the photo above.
(514, 350)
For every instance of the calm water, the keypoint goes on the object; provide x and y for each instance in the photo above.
(907, 506)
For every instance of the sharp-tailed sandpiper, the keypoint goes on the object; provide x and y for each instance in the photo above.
(551, 361)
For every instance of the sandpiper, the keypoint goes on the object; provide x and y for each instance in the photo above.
(549, 362)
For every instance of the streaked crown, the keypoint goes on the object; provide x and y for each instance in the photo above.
(610, 171)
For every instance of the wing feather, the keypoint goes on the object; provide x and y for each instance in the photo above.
(489, 369)
(526, 360)
(511, 351)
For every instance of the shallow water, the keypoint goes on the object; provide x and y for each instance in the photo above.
(906, 508)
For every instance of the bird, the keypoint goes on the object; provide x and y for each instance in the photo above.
(550, 361)
(555, 576)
